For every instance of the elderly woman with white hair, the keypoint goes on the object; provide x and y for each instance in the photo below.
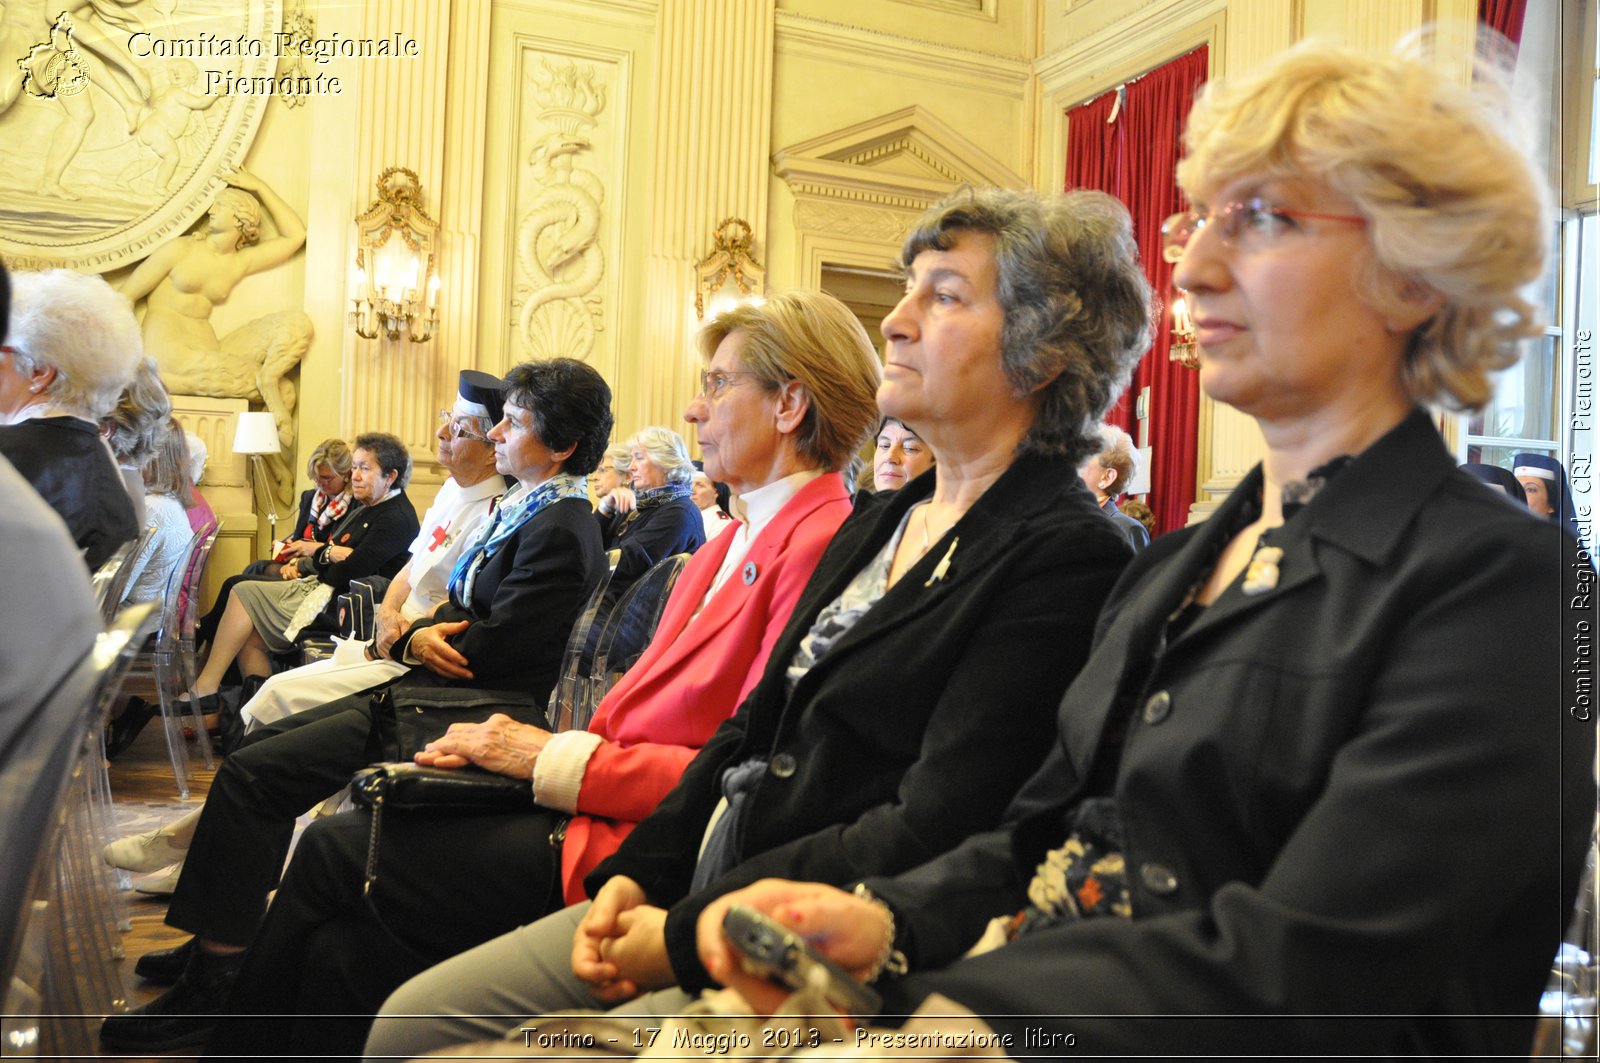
(1297, 805)
(1107, 474)
(71, 348)
(664, 519)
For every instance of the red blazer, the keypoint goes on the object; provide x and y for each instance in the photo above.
(692, 677)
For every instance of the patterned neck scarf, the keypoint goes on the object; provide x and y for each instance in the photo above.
(651, 497)
(326, 508)
(516, 508)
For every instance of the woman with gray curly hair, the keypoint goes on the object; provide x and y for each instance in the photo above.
(72, 346)
(663, 519)
(136, 428)
(1298, 805)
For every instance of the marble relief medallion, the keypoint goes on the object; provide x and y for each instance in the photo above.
(117, 117)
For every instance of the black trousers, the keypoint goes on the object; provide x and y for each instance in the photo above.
(247, 821)
(327, 955)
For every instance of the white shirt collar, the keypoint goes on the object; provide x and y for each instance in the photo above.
(756, 508)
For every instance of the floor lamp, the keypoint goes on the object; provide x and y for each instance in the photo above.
(256, 434)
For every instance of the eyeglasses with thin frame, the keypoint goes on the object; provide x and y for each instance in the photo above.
(1246, 225)
(713, 382)
(455, 429)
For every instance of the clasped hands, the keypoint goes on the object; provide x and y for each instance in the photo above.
(620, 948)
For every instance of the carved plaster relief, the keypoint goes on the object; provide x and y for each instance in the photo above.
(560, 263)
(842, 219)
(116, 117)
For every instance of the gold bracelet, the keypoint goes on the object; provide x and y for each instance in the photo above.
(890, 961)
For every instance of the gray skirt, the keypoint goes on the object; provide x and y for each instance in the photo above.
(271, 606)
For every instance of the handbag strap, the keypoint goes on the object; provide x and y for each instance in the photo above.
(557, 838)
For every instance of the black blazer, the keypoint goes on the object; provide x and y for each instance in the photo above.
(1360, 793)
(524, 602)
(674, 527)
(916, 729)
(71, 469)
(380, 536)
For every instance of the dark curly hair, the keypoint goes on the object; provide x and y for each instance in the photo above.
(1078, 309)
(569, 406)
(390, 454)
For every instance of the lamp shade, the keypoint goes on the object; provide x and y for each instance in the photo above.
(256, 433)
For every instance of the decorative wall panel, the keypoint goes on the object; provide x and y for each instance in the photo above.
(568, 164)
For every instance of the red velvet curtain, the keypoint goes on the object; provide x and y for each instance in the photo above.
(1504, 17)
(1133, 158)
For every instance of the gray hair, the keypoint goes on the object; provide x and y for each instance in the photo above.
(1117, 454)
(1078, 309)
(138, 424)
(79, 326)
(667, 449)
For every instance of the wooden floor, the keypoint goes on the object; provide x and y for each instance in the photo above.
(143, 773)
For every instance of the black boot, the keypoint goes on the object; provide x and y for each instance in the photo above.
(184, 1015)
(165, 966)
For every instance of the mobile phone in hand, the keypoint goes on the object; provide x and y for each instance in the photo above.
(770, 950)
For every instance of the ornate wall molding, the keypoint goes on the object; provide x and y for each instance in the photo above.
(935, 63)
(560, 262)
(876, 162)
(875, 224)
(858, 189)
(115, 136)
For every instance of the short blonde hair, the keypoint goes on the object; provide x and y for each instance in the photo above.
(812, 338)
(667, 449)
(1453, 203)
(78, 325)
(335, 454)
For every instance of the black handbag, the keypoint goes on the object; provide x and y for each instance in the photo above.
(405, 786)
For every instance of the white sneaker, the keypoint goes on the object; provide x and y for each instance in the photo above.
(150, 851)
(161, 885)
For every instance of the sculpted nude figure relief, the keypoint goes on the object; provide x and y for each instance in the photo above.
(183, 281)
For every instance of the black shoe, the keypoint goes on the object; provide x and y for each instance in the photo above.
(125, 728)
(182, 1017)
(165, 966)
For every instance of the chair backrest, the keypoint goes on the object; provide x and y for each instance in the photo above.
(38, 761)
(1566, 1024)
(194, 571)
(569, 698)
(178, 608)
(631, 625)
(111, 578)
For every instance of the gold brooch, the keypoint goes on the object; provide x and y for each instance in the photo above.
(1262, 575)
